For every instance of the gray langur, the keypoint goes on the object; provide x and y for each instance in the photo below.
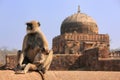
(35, 54)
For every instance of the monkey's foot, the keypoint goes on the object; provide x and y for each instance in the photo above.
(43, 70)
(20, 72)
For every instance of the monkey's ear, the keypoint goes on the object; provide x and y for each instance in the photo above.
(39, 24)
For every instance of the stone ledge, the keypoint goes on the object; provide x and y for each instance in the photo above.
(61, 75)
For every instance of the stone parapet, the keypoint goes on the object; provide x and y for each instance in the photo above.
(61, 75)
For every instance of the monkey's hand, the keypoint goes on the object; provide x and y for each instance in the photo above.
(45, 51)
(20, 67)
(20, 72)
(38, 62)
(19, 51)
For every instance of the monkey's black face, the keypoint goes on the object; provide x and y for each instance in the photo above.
(32, 27)
(29, 26)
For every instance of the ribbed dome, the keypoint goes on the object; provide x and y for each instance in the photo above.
(80, 23)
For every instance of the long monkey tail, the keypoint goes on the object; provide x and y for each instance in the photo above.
(42, 75)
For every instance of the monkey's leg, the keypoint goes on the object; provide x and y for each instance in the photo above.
(28, 67)
(47, 62)
(20, 57)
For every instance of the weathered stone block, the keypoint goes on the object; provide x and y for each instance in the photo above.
(11, 61)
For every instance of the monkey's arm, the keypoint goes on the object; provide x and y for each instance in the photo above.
(24, 46)
(44, 40)
(22, 54)
(20, 59)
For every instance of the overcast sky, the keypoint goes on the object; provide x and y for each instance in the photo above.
(50, 13)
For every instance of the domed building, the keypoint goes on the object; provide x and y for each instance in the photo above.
(78, 32)
(80, 23)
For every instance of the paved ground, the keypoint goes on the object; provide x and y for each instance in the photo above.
(61, 75)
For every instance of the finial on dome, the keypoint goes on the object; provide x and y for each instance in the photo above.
(78, 8)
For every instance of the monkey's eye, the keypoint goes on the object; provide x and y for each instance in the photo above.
(28, 24)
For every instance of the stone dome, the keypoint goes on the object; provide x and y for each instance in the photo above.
(80, 23)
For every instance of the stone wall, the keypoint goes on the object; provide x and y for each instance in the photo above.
(60, 62)
(93, 62)
(108, 64)
(88, 60)
(66, 62)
